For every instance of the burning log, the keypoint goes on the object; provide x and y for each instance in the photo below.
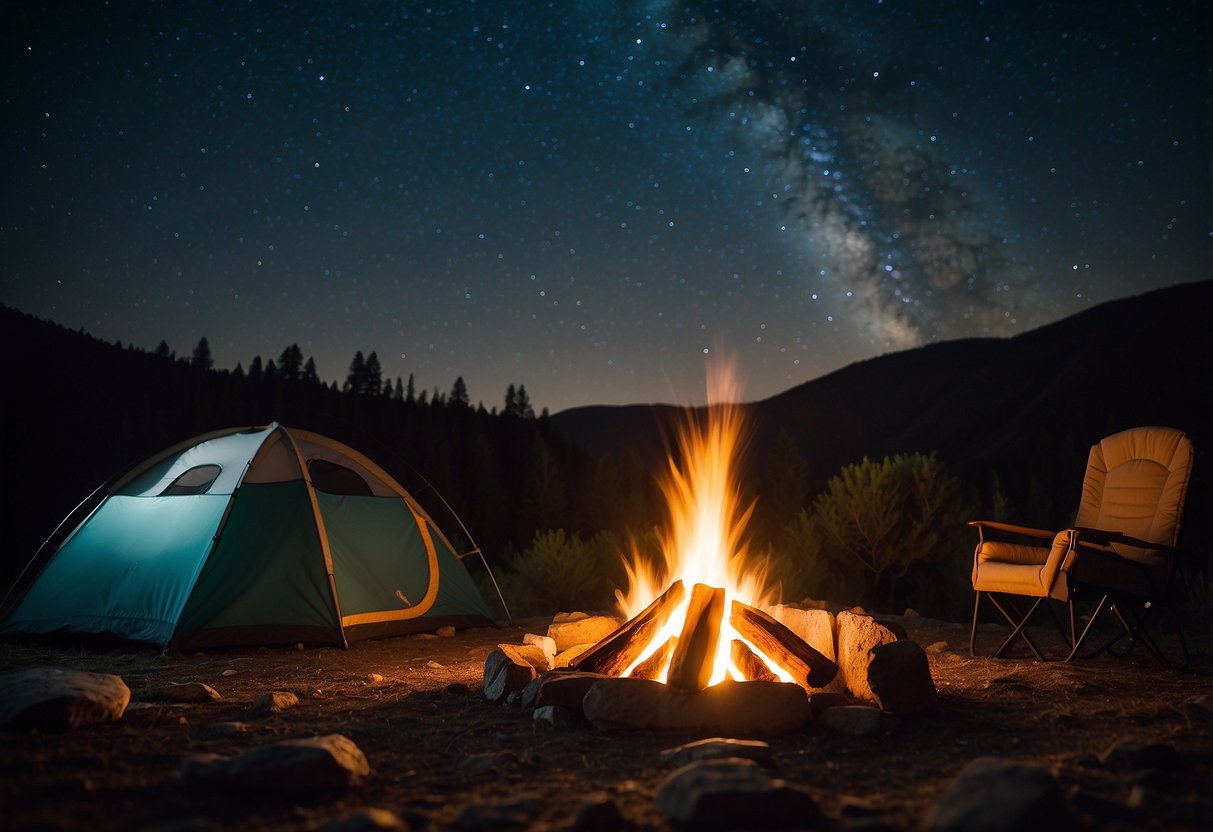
(651, 667)
(691, 666)
(808, 667)
(615, 653)
(751, 665)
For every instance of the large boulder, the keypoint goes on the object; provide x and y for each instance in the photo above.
(56, 698)
(997, 795)
(315, 764)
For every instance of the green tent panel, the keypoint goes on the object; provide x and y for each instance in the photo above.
(249, 536)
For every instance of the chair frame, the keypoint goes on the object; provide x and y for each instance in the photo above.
(1119, 605)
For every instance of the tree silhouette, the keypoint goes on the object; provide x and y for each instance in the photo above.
(290, 363)
(459, 393)
(355, 380)
(201, 357)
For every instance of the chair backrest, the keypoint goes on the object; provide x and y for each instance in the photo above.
(1136, 483)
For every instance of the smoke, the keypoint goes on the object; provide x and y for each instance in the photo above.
(870, 193)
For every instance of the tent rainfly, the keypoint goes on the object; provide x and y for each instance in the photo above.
(266, 535)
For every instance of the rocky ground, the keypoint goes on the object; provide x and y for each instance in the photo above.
(1128, 745)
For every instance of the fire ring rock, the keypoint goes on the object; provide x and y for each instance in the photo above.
(732, 708)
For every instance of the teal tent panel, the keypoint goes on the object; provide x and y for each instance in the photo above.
(379, 559)
(458, 594)
(266, 580)
(127, 571)
(381, 563)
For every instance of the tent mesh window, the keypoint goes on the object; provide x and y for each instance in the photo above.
(332, 478)
(194, 481)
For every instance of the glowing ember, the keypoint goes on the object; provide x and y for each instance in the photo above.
(704, 543)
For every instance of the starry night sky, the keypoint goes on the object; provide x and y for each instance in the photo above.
(590, 198)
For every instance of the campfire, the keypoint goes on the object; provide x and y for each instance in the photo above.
(695, 619)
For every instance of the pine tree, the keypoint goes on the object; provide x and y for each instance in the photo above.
(309, 372)
(374, 375)
(523, 403)
(459, 393)
(202, 355)
(290, 363)
(255, 370)
(410, 391)
(398, 391)
(162, 350)
(355, 380)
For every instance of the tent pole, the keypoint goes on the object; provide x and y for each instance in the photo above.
(321, 533)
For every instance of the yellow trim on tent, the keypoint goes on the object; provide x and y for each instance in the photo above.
(431, 592)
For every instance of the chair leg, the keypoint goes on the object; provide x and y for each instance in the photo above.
(1018, 630)
(1082, 639)
(973, 631)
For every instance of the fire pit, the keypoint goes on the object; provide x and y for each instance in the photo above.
(697, 648)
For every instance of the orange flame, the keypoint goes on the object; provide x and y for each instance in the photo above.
(704, 541)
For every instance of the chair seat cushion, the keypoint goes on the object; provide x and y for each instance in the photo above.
(1021, 569)
(1104, 572)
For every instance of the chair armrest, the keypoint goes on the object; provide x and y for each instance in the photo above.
(1010, 528)
(1106, 537)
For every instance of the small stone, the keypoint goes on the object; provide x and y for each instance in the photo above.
(369, 819)
(852, 720)
(718, 748)
(553, 716)
(821, 700)
(590, 629)
(317, 764)
(433, 665)
(857, 635)
(273, 702)
(900, 678)
(733, 793)
(184, 692)
(935, 648)
(223, 728)
(996, 795)
(374, 678)
(597, 813)
(512, 813)
(298, 647)
(476, 765)
(55, 698)
(229, 672)
(425, 636)
(445, 632)
(1127, 755)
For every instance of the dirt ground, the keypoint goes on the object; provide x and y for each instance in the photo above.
(428, 714)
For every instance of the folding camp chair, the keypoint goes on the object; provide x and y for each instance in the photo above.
(1120, 552)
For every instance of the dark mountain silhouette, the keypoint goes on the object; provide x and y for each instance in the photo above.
(1024, 408)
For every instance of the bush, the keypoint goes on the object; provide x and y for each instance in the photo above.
(881, 519)
(562, 573)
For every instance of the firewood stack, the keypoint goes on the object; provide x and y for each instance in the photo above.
(692, 651)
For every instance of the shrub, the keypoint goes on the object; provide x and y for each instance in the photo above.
(562, 572)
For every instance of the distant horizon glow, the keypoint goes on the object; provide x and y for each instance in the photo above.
(591, 201)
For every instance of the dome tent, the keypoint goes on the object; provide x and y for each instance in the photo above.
(265, 535)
